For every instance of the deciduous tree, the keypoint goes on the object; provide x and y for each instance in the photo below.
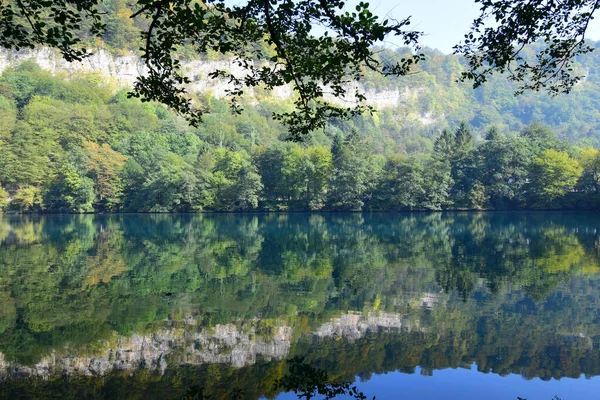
(275, 41)
(553, 174)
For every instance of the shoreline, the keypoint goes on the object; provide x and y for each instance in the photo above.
(261, 212)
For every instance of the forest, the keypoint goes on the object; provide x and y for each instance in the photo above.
(73, 146)
(77, 144)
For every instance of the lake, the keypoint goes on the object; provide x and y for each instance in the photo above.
(416, 306)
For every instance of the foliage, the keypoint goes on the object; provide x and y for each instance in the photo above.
(71, 147)
(498, 39)
(104, 166)
(354, 172)
(27, 199)
(553, 174)
(275, 42)
(3, 199)
(590, 161)
(71, 192)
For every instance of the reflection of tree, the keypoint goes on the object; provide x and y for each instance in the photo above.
(71, 281)
(536, 257)
(307, 382)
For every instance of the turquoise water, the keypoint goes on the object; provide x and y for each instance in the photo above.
(440, 305)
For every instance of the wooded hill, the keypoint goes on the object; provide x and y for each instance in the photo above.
(72, 144)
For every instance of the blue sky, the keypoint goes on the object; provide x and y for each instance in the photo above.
(444, 21)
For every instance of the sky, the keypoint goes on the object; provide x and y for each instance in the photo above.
(444, 22)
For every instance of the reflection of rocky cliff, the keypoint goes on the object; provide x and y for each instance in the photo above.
(233, 344)
(354, 326)
(349, 344)
(226, 344)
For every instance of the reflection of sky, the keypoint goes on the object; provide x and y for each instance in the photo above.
(444, 21)
(464, 384)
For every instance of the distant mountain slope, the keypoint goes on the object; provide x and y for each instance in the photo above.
(420, 104)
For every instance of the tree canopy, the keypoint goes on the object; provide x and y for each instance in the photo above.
(499, 36)
(70, 146)
(276, 42)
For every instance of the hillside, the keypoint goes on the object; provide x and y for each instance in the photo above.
(410, 108)
(71, 141)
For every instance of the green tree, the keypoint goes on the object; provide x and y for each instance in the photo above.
(402, 185)
(553, 174)
(540, 137)
(353, 170)
(156, 179)
(120, 30)
(438, 183)
(3, 199)
(269, 162)
(27, 199)
(235, 180)
(294, 176)
(247, 187)
(464, 166)
(590, 161)
(171, 186)
(444, 145)
(104, 166)
(505, 169)
(71, 192)
(318, 171)
(29, 157)
(8, 116)
(463, 139)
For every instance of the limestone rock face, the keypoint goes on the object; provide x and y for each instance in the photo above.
(123, 70)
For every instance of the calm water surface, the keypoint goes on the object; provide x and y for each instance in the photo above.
(415, 306)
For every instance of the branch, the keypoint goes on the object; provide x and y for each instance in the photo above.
(145, 8)
(280, 46)
(26, 14)
(155, 19)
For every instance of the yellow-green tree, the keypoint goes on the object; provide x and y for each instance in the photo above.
(590, 161)
(105, 165)
(27, 199)
(553, 174)
(3, 199)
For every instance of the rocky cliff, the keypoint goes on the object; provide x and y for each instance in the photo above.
(123, 70)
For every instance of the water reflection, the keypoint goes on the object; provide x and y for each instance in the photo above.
(207, 300)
